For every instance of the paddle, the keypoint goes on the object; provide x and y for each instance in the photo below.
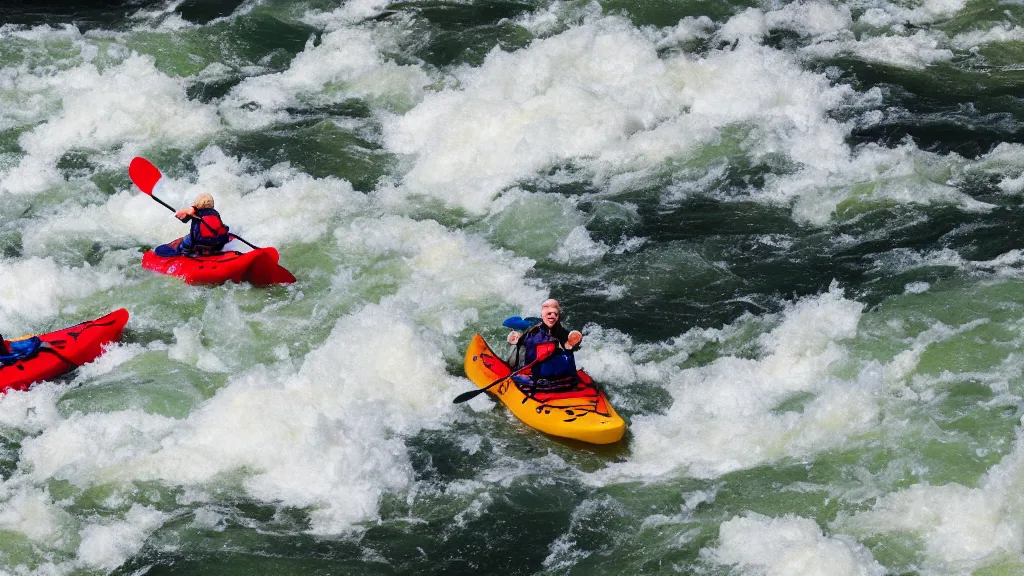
(473, 393)
(145, 176)
(520, 324)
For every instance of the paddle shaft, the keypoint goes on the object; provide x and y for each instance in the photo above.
(236, 236)
(473, 393)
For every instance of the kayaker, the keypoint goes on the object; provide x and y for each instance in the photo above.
(208, 235)
(4, 348)
(548, 342)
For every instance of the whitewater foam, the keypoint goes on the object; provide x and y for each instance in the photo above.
(347, 64)
(35, 289)
(757, 544)
(723, 415)
(120, 109)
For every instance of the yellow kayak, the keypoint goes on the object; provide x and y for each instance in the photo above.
(577, 410)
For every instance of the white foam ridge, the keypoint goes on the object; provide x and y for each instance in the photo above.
(905, 175)
(125, 106)
(32, 513)
(348, 63)
(564, 554)
(598, 95)
(276, 206)
(348, 14)
(1005, 161)
(758, 544)
(1009, 264)
(962, 529)
(30, 412)
(724, 415)
(884, 33)
(916, 51)
(1003, 32)
(35, 289)
(106, 545)
(114, 355)
(569, 96)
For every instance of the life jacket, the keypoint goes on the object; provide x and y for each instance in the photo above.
(540, 345)
(535, 342)
(209, 233)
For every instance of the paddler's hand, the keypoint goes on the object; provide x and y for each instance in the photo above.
(185, 213)
(513, 337)
(573, 340)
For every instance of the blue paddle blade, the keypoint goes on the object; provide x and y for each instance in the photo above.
(519, 324)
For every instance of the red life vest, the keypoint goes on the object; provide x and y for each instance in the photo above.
(208, 230)
(212, 226)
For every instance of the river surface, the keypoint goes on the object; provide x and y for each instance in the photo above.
(790, 232)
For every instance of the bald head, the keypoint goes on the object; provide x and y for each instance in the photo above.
(550, 312)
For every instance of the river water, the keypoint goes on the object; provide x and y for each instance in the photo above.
(790, 233)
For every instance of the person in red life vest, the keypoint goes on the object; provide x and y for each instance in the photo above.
(208, 235)
(547, 342)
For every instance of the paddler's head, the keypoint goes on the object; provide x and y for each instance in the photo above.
(550, 312)
(203, 201)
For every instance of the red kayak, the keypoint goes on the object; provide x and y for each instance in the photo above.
(63, 351)
(258, 267)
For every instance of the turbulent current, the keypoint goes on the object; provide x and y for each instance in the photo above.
(789, 231)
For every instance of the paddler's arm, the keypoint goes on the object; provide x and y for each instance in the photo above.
(185, 213)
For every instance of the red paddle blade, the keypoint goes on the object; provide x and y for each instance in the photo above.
(144, 174)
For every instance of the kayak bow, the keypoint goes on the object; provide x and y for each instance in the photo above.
(63, 350)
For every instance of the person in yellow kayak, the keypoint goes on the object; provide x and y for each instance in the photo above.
(547, 343)
(208, 235)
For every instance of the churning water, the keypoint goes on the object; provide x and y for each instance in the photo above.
(791, 233)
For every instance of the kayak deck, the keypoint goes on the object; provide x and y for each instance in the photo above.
(577, 409)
